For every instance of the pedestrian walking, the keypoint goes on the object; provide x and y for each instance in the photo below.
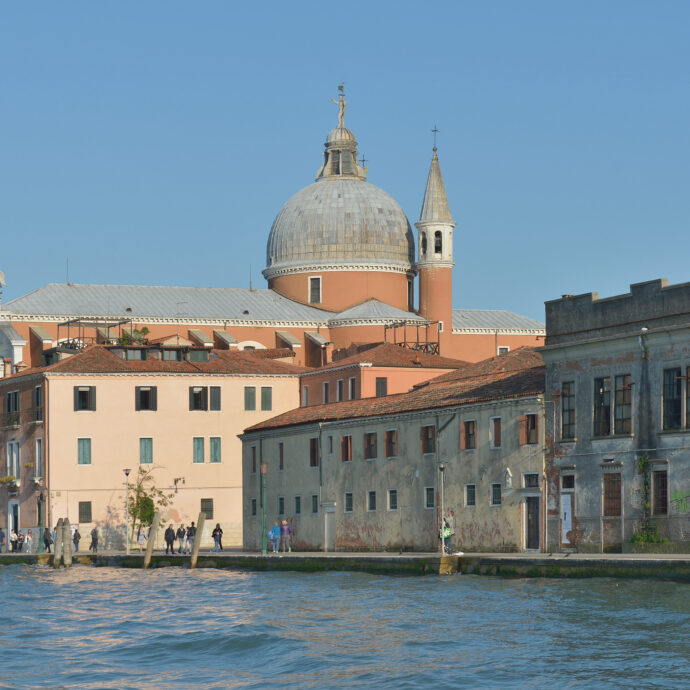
(170, 539)
(29, 541)
(181, 533)
(217, 535)
(76, 538)
(13, 542)
(93, 546)
(141, 539)
(274, 536)
(191, 533)
(444, 533)
(285, 533)
(20, 540)
(47, 539)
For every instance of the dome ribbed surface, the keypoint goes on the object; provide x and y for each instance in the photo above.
(340, 221)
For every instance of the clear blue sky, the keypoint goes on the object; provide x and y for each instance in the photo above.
(154, 142)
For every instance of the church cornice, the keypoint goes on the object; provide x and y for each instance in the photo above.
(322, 267)
(435, 263)
(499, 331)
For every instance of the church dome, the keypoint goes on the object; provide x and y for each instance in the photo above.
(341, 222)
(345, 223)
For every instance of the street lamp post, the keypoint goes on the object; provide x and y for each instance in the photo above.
(442, 470)
(127, 471)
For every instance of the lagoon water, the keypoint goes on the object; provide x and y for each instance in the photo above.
(173, 628)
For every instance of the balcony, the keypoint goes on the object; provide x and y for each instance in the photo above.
(36, 415)
(10, 420)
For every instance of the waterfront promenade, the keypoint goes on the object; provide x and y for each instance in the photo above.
(665, 566)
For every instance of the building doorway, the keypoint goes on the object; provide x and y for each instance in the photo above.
(532, 522)
(12, 517)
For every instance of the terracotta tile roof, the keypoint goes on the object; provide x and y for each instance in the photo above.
(390, 355)
(518, 374)
(97, 359)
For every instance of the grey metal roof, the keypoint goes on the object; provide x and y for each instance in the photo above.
(7, 329)
(374, 309)
(163, 302)
(490, 319)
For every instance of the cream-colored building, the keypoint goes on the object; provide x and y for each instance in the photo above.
(71, 429)
(378, 473)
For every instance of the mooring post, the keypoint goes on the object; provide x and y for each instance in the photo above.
(153, 531)
(66, 543)
(57, 550)
(197, 539)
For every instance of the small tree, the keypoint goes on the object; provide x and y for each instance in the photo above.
(145, 498)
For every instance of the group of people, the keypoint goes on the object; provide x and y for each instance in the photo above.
(279, 537)
(184, 536)
(17, 541)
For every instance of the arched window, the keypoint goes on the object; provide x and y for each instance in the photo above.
(438, 243)
(423, 244)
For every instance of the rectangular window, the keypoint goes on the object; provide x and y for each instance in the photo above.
(313, 452)
(352, 389)
(315, 290)
(281, 457)
(305, 396)
(348, 502)
(371, 501)
(381, 386)
(345, 448)
(266, 398)
(468, 435)
(602, 406)
(13, 467)
(38, 404)
(145, 451)
(38, 465)
(85, 511)
(531, 480)
(198, 446)
(281, 505)
(427, 439)
(371, 446)
(528, 429)
(623, 404)
(298, 505)
(145, 398)
(252, 507)
(84, 398)
(495, 432)
(198, 398)
(671, 400)
(429, 497)
(340, 390)
(249, 397)
(470, 495)
(84, 451)
(502, 350)
(314, 503)
(660, 495)
(214, 447)
(612, 494)
(325, 392)
(391, 442)
(171, 355)
(495, 494)
(12, 401)
(198, 355)
(215, 398)
(568, 410)
(207, 508)
(135, 355)
(330, 445)
(252, 459)
(392, 499)
(568, 482)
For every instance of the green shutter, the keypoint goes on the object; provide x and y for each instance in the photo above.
(249, 398)
(266, 398)
(145, 451)
(215, 397)
(215, 448)
(137, 398)
(84, 451)
(198, 449)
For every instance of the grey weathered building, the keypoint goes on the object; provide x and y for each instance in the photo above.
(617, 387)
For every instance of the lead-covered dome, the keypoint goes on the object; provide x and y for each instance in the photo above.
(341, 221)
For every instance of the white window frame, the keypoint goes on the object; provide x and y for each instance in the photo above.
(467, 504)
(340, 390)
(396, 500)
(305, 396)
(13, 464)
(352, 499)
(502, 349)
(369, 494)
(38, 459)
(309, 281)
(325, 390)
(426, 490)
(352, 388)
(491, 496)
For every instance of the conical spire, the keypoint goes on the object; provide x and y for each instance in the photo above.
(435, 204)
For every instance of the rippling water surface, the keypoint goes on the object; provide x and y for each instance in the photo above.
(116, 628)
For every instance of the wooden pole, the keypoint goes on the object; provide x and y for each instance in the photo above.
(197, 539)
(66, 543)
(57, 546)
(152, 539)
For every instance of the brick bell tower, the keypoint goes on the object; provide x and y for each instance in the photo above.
(435, 264)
